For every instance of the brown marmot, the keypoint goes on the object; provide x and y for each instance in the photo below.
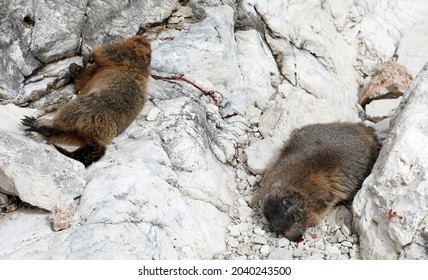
(111, 92)
(320, 165)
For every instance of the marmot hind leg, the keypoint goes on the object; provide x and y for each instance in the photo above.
(86, 154)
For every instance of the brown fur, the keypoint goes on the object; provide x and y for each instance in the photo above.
(111, 93)
(320, 165)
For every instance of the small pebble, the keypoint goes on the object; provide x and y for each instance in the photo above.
(265, 249)
(259, 231)
(347, 244)
(252, 180)
(343, 257)
(244, 212)
(258, 239)
(153, 114)
(241, 174)
(283, 242)
(233, 242)
(344, 250)
(244, 249)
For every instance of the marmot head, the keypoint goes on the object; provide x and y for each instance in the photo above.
(287, 215)
(134, 52)
(141, 46)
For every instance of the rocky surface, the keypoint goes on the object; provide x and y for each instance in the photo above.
(391, 209)
(231, 80)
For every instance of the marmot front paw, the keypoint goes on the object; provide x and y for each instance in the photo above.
(75, 69)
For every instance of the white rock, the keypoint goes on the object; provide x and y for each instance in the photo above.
(232, 242)
(337, 237)
(11, 114)
(262, 153)
(347, 244)
(244, 212)
(379, 33)
(390, 208)
(283, 242)
(38, 173)
(241, 174)
(412, 49)
(153, 114)
(282, 118)
(281, 254)
(251, 180)
(259, 231)
(345, 230)
(334, 250)
(382, 108)
(238, 229)
(258, 239)
(265, 249)
(338, 217)
(381, 128)
(253, 115)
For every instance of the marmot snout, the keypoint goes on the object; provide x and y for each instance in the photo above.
(111, 93)
(320, 165)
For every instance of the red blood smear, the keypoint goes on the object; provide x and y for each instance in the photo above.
(300, 239)
(314, 235)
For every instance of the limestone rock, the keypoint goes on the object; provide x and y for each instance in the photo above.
(378, 110)
(262, 153)
(38, 174)
(11, 114)
(115, 19)
(389, 80)
(30, 40)
(391, 207)
(381, 26)
(412, 50)
(61, 217)
(284, 116)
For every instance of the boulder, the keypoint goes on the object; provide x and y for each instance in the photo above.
(389, 80)
(391, 208)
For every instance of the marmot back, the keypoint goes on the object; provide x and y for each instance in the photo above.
(111, 92)
(320, 166)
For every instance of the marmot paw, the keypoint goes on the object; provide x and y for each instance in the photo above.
(75, 69)
(29, 121)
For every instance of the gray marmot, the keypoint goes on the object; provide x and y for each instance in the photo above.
(111, 93)
(320, 165)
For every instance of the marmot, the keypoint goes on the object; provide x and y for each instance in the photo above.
(320, 165)
(111, 93)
